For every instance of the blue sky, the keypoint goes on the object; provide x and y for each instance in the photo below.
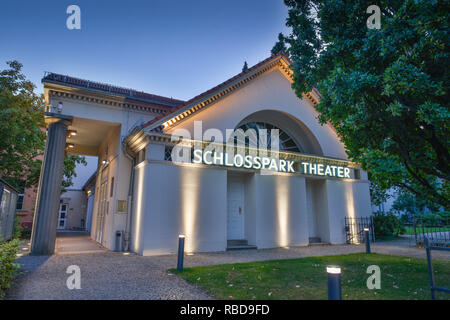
(172, 48)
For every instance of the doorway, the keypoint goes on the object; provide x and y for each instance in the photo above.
(235, 208)
(102, 210)
(62, 216)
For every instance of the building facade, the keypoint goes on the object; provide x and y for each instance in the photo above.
(169, 167)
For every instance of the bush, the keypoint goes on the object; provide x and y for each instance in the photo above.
(8, 268)
(387, 224)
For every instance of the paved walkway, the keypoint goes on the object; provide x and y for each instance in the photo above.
(113, 275)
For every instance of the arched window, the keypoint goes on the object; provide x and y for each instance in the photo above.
(286, 143)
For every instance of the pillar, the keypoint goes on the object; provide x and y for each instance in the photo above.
(47, 204)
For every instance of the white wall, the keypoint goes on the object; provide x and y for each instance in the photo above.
(270, 91)
(280, 210)
(346, 199)
(172, 200)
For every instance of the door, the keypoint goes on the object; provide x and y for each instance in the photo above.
(62, 217)
(235, 208)
(103, 207)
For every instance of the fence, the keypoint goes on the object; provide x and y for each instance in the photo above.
(8, 200)
(433, 288)
(354, 229)
(435, 229)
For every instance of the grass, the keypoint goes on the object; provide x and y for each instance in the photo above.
(410, 230)
(305, 278)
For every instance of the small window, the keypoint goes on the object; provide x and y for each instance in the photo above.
(112, 188)
(19, 205)
(357, 174)
(168, 153)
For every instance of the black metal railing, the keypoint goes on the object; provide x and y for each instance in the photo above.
(433, 287)
(435, 229)
(354, 229)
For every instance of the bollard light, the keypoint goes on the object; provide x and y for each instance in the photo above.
(334, 283)
(180, 252)
(367, 239)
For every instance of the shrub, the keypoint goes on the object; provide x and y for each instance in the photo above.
(387, 224)
(8, 268)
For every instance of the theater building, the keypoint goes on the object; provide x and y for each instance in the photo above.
(165, 169)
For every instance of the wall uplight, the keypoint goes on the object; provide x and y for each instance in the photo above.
(71, 133)
(180, 252)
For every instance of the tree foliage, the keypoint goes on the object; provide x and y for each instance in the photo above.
(411, 204)
(22, 138)
(280, 45)
(21, 119)
(384, 90)
(245, 66)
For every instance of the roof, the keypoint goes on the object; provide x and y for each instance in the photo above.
(94, 86)
(223, 85)
(89, 181)
(8, 185)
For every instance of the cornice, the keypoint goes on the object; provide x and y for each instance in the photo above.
(142, 139)
(105, 100)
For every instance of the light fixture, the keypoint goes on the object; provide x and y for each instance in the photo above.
(70, 145)
(180, 252)
(334, 283)
(334, 269)
(71, 133)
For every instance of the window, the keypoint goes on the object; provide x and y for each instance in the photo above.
(357, 174)
(19, 205)
(168, 153)
(286, 143)
(111, 192)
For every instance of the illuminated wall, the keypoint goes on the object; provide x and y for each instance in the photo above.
(185, 200)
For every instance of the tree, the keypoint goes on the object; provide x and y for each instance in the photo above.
(411, 204)
(384, 90)
(245, 67)
(280, 45)
(21, 119)
(70, 162)
(22, 139)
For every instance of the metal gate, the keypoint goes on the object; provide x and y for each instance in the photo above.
(354, 229)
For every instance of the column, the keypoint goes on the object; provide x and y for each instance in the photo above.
(47, 204)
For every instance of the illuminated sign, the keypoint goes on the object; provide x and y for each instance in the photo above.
(267, 163)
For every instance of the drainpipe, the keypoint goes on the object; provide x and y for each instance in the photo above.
(127, 236)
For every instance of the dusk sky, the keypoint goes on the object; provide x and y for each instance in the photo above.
(171, 48)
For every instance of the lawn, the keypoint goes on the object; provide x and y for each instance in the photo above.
(410, 230)
(305, 278)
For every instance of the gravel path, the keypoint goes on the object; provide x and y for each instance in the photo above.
(112, 275)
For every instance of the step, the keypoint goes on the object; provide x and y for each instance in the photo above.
(319, 244)
(315, 240)
(241, 247)
(242, 242)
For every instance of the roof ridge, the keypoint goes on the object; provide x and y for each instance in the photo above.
(186, 103)
(109, 88)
